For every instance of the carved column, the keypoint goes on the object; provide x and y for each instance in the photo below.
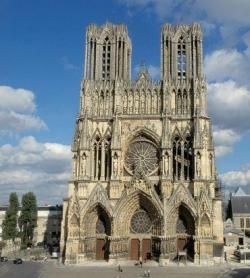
(103, 161)
(182, 160)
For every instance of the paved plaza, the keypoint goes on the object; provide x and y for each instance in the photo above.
(56, 270)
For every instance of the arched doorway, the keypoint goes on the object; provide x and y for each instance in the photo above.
(97, 228)
(145, 227)
(185, 230)
(103, 229)
(141, 225)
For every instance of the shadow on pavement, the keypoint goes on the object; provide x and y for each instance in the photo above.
(238, 273)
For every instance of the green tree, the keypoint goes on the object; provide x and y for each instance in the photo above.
(28, 218)
(11, 216)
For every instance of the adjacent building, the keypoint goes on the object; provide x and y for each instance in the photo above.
(143, 179)
(48, 230)
(240, 210)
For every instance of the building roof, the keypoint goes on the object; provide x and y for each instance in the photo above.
(240, 204)
(239, 192)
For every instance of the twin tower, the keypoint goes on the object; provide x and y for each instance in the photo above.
(143, 181)
(109, 50)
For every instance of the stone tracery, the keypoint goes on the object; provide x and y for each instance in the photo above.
(143, 177)
(142, 154)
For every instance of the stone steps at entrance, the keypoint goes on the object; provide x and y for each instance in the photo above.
(133, 263)
(101, 263)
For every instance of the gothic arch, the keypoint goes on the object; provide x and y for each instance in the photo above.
(129, 204)
(205, 226)
(181, 33)
(96, 133)
(74, 227)
(176, 132)
(98, 197)
(182, 157)
(96, 220)
(144, 131)
(107, 133)
(188, 219)
(204, 203)
(181, 196)
(106, 33)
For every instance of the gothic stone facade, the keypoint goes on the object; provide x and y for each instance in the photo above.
(143, 183)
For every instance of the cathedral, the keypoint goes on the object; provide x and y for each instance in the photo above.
(143, 183)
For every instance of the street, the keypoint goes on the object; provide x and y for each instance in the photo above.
(57, 270)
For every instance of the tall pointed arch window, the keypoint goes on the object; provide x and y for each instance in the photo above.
(181, 58)
(102, 158)
(97, 158)
(106, 54)
(182, 158)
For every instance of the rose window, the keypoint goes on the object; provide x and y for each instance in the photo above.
(142, 156)
(140, 222)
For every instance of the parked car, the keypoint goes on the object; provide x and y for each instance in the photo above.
(18, 261)
(4, 259)
(55, 252)
(55, 255)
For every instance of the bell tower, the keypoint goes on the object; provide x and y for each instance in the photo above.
(181, 52)
(107, 53)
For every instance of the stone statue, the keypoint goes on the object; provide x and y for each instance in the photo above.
(136, 104)
(166, 164)
(198, 165)
(130, 103)
(115, 165)
(83, 165)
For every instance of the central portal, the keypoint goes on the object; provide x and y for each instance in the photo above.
(146, 249)
(135, 249)
(140, 249)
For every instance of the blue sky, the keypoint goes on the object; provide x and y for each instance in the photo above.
(41, 65)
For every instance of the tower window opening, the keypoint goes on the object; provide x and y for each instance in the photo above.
(106, 59)
(181, 59)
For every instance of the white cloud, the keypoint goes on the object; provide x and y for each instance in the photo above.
(223, 150)
(225, 64)
(224, 140)
(237, 178)
(229, 16)
(18, 100)
(17, 110)
(223, 11)
(226, 11)
(229, 105)
(43, 168)
(229, 108)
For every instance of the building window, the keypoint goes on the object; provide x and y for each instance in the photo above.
(181, 59)
(248, 223)
(102, 158)
(242, 223)
(182, 158)
(106, 59)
